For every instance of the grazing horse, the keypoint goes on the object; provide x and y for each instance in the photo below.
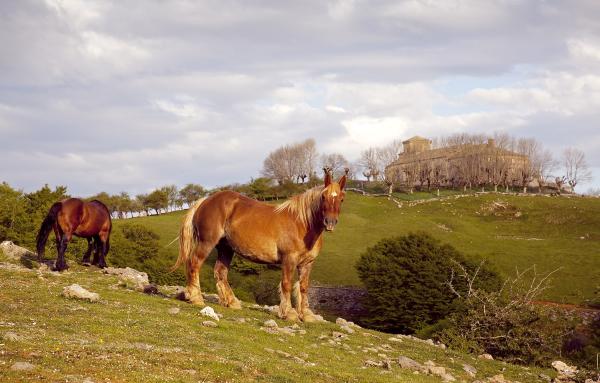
(289, 234)
(72, 216)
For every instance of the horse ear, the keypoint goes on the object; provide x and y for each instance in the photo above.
(327, 176)
(342, 180)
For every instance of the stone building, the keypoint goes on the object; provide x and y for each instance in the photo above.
(466, 164)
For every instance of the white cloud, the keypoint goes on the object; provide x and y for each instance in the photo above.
(176, 92)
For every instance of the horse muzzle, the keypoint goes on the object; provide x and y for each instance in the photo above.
(329, 223)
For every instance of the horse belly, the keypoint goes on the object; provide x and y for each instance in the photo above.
(253, 248)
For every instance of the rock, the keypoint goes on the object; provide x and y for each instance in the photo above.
(409, 364)
(338, 335)
(341, 322)
(131, 278)
(270, 323)
(372, 363)
(211, 298)
(319, 318)
(209, 312)
(12, 337)
(209, 323)
(564, 369)
(87, 380)
(545, 377)
(78, 292)
(14, 251)
(174, 310)
(394, 339)
(22, 366)
(151, 289)
(497, 379)
(485, 357)
(470, 370)
(347, 329)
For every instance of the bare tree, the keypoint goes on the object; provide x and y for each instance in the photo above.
(543, 165)
(369, 162)
(336, 162)
(292, 162)
(527, 147)
(576, 168)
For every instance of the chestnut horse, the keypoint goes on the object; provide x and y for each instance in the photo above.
(289, 235)
(72, 216)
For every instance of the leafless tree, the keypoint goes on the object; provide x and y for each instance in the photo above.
(291, 162)
(527, 147)
(369, 162)
(543, 165)
(336, 162)
(576, 168)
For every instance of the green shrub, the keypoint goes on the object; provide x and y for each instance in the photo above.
(506, 323)
(406, 280)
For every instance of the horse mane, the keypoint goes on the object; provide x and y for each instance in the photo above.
(303, 206)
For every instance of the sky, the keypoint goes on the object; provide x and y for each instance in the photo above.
(132, 95)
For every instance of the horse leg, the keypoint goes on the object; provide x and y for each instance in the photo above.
(285, 288)
(226, 296)
(192, 291)
(302, 307)
(97, 249)
(86, 257)
(104, 247)
(61, 264)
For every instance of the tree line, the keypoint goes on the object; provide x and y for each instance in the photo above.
(160, 200)
(473, 168)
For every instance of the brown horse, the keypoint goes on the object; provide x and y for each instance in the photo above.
(72, 216)
(289, 235)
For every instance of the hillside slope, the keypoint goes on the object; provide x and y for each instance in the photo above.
(508, 231)
(129, 336)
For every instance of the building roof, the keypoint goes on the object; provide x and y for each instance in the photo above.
(416, 138)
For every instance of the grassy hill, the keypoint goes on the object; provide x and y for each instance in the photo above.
(506, 230)
(131, 337)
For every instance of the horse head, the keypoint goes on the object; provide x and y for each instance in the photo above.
(332, 198)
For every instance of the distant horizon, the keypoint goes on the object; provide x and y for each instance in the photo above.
(114, 96)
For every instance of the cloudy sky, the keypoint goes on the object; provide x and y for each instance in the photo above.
(131, 95)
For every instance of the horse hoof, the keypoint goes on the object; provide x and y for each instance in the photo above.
(291, 316)
(196, 301)
(309, 318)
(236, 305)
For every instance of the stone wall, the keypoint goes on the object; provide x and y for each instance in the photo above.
(340, 301)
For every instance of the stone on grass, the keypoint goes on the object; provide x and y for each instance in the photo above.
(22, 366)
(209, 312)
(486, 357)
(470, 370)
(270, 323)
(12, 337)
(14, 251)
(209, 323)
(341, 322)
(131, 278)
(409, 364)
(174, 310)
(347, 329)
(564, 369)
(78, 292)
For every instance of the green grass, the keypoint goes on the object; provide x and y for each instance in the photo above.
(548, 234)
(131, 337)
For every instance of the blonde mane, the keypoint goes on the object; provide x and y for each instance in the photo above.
(303, 206)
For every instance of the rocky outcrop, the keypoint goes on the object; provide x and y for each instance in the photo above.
(13, 251)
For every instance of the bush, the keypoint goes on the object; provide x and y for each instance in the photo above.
(406, 281)
(506, 323)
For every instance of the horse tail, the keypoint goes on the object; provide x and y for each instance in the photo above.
(187, 239)
(45, 228)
